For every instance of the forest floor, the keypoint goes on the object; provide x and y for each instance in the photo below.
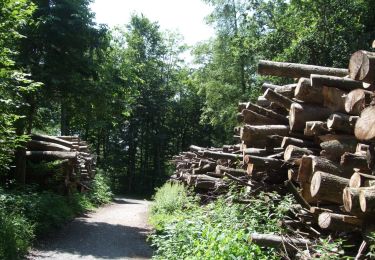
(116, 231)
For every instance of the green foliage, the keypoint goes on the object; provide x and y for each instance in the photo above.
(16, 234)
(101, 192)
(218, 230)
(168, 200)
(29, 212)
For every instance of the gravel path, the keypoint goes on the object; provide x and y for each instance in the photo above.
(116, 231)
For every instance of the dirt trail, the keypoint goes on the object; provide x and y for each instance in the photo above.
(116, 231)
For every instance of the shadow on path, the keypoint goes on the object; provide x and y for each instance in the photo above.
(117, 231)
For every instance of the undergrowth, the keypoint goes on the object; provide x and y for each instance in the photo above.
(27, 213)
(219, 230)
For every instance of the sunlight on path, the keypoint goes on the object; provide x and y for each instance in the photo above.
(117, 231)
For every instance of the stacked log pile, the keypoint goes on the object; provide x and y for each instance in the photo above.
(316, 136)
(76, 162)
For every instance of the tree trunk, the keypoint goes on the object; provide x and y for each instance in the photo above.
(278, 99)
(295, 70)
(299, 114)
(362, 66)
(365, 126)
(50, 155)
(328, 187)
(315, 128)
(350, 198)
(268, 113)
(221, 170)
(338, 222)
(251, 133)
(279, 242)
(352, 160)
(346, 84)
(46, 146)
(294, 153)
(334, 146)
(253, 118)
(297, 142)
(367, 200)
(359, 179)
(256, 163)
(339, 122)
(357, 100)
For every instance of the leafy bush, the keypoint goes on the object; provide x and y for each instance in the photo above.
(169, 199)
(29, 212)
(219, 230)
(101, 191)
(16, 234)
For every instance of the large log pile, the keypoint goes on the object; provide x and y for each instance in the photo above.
(316, 136)
(73, 158)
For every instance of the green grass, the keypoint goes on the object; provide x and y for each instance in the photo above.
(27, 213)
(185, 230)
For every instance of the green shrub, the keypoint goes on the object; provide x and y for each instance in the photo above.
(16, 234)
(219, 230)
(101, 191)
(169, 199)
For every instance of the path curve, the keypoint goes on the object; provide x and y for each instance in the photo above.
(116, 231)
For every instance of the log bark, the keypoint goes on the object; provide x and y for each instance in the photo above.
(315, 128)
(220, 155)
(279, 242)
(251, 133)
(299, 114)
(294, 70)
(250, 117)
(346, 84)
(359, 179)
(204, 169)
(261, 152)
(367, 200)
(286, 90)
(195, 148)
(361, 148)
(352, 160)
(256, 163)
(362, 66)
(297, 142)
(339, 122)
(357, 100)
(50, 155)
(300, 199)
(51, 139)
(334, 146)
(338, 222)
(294, 153)
(334, 99)
(268, 113)
(278, 99)
(308, 94)
(328, 187)
(263, 102)
(365, 126)
(350, 198)
(221, 170)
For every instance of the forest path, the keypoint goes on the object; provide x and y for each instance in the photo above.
(116, 231)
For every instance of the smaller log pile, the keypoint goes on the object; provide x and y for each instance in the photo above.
(317, 136)
(76, 161)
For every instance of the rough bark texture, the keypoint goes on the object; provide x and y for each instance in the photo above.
(299, 114)
(338, 222)
(346, 84)
(328, 187)
(350, 198)
(278, 99)
(341, 123)
(294, 70)
(251, 133)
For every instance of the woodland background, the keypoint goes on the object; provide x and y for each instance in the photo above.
(127, 91)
